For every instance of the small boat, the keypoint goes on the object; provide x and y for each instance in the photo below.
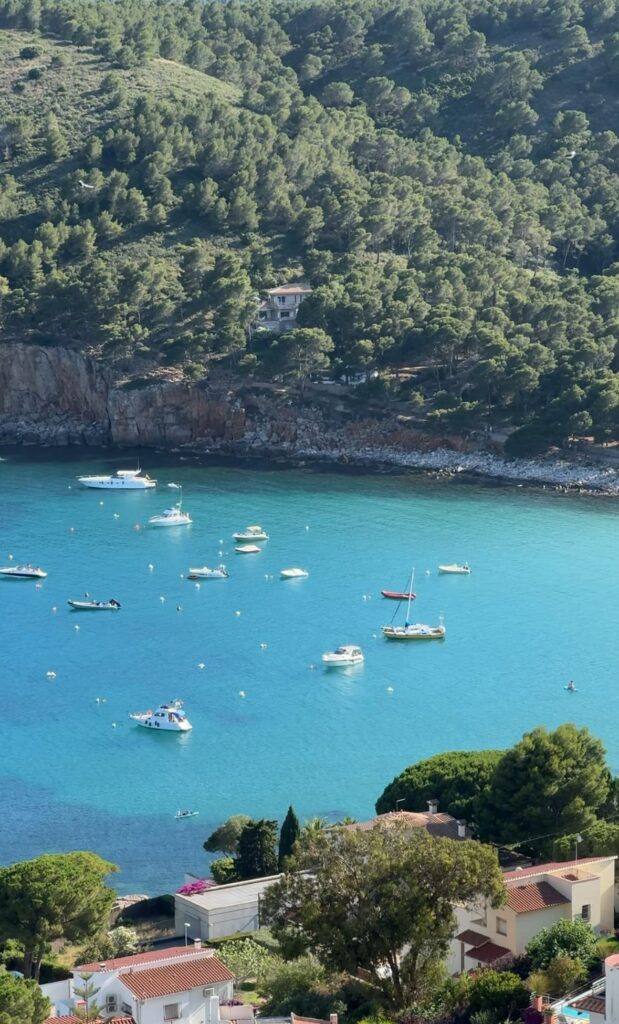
(399, 595)
(121, 480)
(95, 606)
(455, 569)
(251, 533)
(346, 655)
(186, 814)
(416, 630)
(247, 549)
(218, 573)
(294, 574)
(166, 718)
(23, 572)
(571, 686)
(172, 516)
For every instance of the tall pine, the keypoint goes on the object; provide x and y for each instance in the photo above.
(288, 836)
(257, 856)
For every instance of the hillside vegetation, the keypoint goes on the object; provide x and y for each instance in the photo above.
(443, 172)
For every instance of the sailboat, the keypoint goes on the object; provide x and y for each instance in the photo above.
(413, 630)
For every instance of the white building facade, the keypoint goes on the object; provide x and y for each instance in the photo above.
(222, 910)
(278, 310)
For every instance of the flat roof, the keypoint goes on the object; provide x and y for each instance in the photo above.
(233, 895)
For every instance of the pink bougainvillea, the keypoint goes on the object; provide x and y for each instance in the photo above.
(195, 888)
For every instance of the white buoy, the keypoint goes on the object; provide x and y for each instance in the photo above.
(71, 529)
(220, 553)
(117, 515)
(10, 558)
(311, 667)
(181, 576)
(179, 607)
(241, 693)
(162, 599)
(390, 689)
(100, 502)
(50, 675)
(307, 527)
(38, 586)
(69, 488)
(54, 610)
(113, 725)
(220, 540)
(151, 566)
(237, 612)
(201, 664)
(428, 572)
(137, 527)
(197, 586)
(76, 628)
(263, 647)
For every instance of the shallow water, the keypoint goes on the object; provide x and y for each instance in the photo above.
(538, 609)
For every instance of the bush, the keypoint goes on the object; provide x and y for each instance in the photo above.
(500, 992)
(564, 938)
(531, 439)
(29, 52)
(299, 986)
(223, 870)
(562, 975)
(35, 73)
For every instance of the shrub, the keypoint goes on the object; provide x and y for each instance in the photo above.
(35, 73)
(223, 870)
(564, 938)
(500, 992)
(29, 52)
(562, 975)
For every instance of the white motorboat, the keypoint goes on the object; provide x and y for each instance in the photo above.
(121, 480)
(294, 574)
(455, 569)
(186, 814)
(95, 606)
(172, 516)
(23, 572)
(166, 718)
(247, 549)
(251, 533)
(346, 655)
(204, 573)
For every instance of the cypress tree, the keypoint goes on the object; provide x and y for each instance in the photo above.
(291, 830)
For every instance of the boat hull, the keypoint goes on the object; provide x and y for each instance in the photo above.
(341, 662)
(8, 575)
(452, 570)
(396, 595)
(160, 726)
(86, 606)
(159, 523)
(400, 633)
(100, 484)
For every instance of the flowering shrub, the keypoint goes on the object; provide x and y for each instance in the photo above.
(195, 888)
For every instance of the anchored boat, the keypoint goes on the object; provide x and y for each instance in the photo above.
(23, 572)
(166, 718)
(348, 654)
(455, 569)
(121, 480)
(218, 573)
(251, 533)
(415, 630)
(95, 606)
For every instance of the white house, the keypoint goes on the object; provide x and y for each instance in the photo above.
(182, 983)
(222, 910)
(278, 310)
(536, 898)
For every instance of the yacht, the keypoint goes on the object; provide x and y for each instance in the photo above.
(171, 517)
(294, 574)
(455, 569)
(121, 480)
(166, 718)
(346, 655)
(95, 606)
(23, 572)
(251, 534)
(204, 573)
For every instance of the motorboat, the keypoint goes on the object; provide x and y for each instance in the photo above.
(294, 574)
(186, 814)
(166, 718)
(414, 631)
(218, 573)
(455, 569)
(251, 533)
(95, 606)
(399, 595)
(121, 480)
(23, 572)
(173, 516)
(247, 549)
(346, 655)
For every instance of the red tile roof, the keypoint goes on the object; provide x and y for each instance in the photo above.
(140, 958)
(523, 899)
(71, 1019)
(488, 953)
(472, 938)
(591, 1004)
(154, 982)
(540, 869)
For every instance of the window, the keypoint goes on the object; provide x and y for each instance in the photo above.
(501, 926)
(281, 299)
(126, 1008)
(585, 912)
(171, 1011)
(284, 314)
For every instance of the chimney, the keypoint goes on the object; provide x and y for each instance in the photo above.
(333, 1018)
(462, 830)
(197, 943)
(432, 806)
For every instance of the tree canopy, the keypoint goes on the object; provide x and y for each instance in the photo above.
(358, 899)
(225, 838)
(21, 1000)
(564, 938)
(55, 896)
(290, 832)
(455, 779)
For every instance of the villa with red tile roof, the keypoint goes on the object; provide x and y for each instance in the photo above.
(182, 983)
(536, 897)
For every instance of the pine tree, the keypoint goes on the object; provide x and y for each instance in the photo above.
(257, 856)
(87, 991)
(55, 143)
(288, 836)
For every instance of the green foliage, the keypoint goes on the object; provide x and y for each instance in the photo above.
(455, 779)
(300, 986)
(120, 941)
(290, 832)
(563, 974)
(245, 958)
(224, 870)
(21, 1001)
(564, 938)
(500, 993)
(598, 840)
(257, 855)
(225, 839)
(86, 992)
(54, 896)
(357, 899)
(549, 784)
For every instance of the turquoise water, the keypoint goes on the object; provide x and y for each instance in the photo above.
(539, 608)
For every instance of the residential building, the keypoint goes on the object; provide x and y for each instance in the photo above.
(182, 983)
(536, 898)
(278, 310)
(435, 823)
(223, 910)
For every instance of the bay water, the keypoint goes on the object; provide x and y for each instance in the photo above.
(539, 608)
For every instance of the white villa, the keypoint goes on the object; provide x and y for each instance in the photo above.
(182, 983)
(278, 310)
(536, 898)
(222, 910)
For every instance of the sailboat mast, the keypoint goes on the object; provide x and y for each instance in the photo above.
(410, 597)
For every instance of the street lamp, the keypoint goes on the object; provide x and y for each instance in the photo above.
(577, 840)
(401, 800)
(187, 925)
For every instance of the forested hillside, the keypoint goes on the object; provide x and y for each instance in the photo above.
(443, 172)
